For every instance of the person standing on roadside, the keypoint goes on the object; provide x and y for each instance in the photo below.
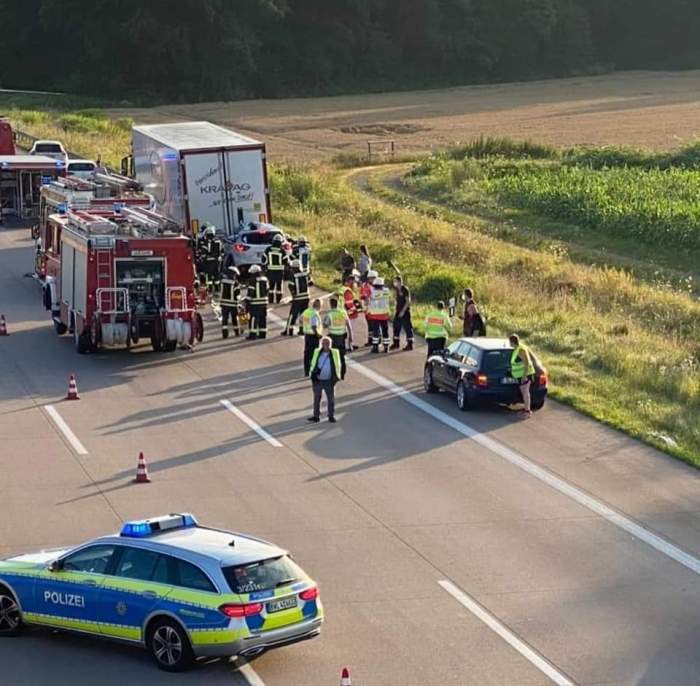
(364, 264)
(351, 305)
(311, 326)
(523, 370)
(473, 321)
(365, 295)
(347, 264)
(337, 325)
(402, 315)
(378, 313)
(437, 328)
(325, 374)
(299, 290)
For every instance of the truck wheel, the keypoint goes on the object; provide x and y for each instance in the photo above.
(170, 346)
(157, 336)
(59, 327)
(198, 327)
(82, 342)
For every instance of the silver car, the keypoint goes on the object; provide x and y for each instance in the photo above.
(250, 244)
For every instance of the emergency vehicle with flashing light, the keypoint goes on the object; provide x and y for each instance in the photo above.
(177, 588)
(116, 278)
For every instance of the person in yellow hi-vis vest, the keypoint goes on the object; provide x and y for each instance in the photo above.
(337, 326)
(325, 374)
(437, 328)
(522, 369)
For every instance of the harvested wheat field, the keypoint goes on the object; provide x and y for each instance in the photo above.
(650, 109)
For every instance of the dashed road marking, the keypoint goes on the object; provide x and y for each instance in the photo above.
(251, 423)
(529, 653)
(637, 530)
(61, 425)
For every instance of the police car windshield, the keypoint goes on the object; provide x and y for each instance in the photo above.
(262, 576)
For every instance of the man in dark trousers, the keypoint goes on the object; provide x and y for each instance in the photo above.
(257, 304)
(229, 297)
(402, 315)
(299, 289)
(311, 325)
(325, 374)
(275, 262)
(337, 325)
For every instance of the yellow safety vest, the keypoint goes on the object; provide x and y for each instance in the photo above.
(338, 322)
(306, 318)
(517, 368)
(379, 302)
(437, 324)
(335, 356)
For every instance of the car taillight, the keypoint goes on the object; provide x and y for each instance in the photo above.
(482, 380)
(241, 610)
(542, 378)
(239, 247)
(309, 594)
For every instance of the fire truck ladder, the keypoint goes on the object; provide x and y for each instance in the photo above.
(105, 292)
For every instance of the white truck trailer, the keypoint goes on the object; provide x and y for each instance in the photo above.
(200, 173)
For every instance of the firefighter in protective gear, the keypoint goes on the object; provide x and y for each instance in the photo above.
(522, 369)
(351, 304)
(209, 253)
(378, 312)
(302, 252)
(311, 325)
(337, 326)
(257, 304)
(229, 299)
(275, 259)
(299, 288)
(365, 293)
(437, 328)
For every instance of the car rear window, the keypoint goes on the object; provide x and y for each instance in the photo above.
(496, 360)
(48, 147)
(264, 575)
(258, 237)
(81, 166)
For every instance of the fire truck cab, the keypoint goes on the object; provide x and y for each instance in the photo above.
(121, 278)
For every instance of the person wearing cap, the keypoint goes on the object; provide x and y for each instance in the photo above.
(378, 313)
(229, 297)
(337, 324)
(257, 303)
(275, 258)
(437, 328)
(298, 283)
(365, 294)
(311, 326)
(325, 371)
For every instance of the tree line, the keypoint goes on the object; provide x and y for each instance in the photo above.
(225, 49)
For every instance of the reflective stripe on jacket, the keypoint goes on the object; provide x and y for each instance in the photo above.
(230, 292)
(307, 317)
(437, 324)
(261, 288)
(337, 319)
(335, 356)
(379, 307)
(275, 259)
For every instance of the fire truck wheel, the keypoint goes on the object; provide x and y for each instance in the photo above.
(170, 346)
(95, 334)
(198, 327)
(158, 335)
(59, 327)
(82, 342)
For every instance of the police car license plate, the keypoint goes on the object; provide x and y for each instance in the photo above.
(508, 380)
(282, 604)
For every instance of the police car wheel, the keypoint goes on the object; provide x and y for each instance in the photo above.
(170, 646)
(10, 615)
(462, 397)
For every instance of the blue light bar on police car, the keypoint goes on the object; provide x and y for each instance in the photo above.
(146, 527)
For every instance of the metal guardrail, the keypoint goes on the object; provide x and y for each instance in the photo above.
(26, 140)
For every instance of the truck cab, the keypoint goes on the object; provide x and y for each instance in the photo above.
(7, 138)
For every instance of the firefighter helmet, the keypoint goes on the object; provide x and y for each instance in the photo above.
(371, 274)
(210, 231)
(378, 282)
(255, 269)
(277, 239)
(233, 270)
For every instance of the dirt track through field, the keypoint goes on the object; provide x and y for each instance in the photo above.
(649, 109)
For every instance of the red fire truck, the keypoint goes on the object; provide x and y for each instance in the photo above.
(99, 195)
(121, 278)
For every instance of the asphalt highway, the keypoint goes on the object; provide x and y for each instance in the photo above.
(450, 548)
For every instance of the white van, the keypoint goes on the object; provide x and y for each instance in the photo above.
(83, 169)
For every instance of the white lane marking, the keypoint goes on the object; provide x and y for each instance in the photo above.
(251, 423)
(250, 675)
(631, 527)
(65, 430)
(530, 654)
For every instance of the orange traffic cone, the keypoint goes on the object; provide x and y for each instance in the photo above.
(3, 326)
(141, 471)
(345, 677)
(72, 389)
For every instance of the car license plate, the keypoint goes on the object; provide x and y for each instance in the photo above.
(282, 604)
(508, 380)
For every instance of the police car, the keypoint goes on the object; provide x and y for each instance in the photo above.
(181, 590)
